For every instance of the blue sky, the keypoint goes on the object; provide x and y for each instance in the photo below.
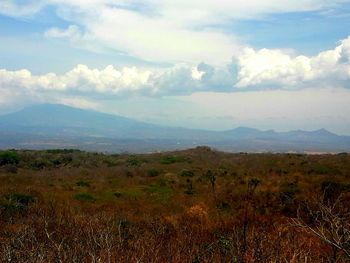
(203, 64)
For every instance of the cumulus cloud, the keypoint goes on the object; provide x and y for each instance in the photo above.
(80, 79)
(276, 68)
(111, 82)
(254, 69)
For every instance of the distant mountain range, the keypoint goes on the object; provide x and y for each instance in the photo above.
(58, 126)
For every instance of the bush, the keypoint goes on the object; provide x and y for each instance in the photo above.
(15, 203)
(331, 190)
(168, 160)
(9, 157)
(189, 187)
(254, 182)
(110, 162)
(288, 192)
(39, 164)
(211, 177)
(82, 184)
(187, 173)
(9, 169)
(287, 197)
(223, 206)
(133, 161)
(57, 151)
(20, 199)
(324, 170)
(84, 197)
(118, 194)
(174, 159)
(153, 172)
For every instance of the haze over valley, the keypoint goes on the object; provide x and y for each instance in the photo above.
(57, 126)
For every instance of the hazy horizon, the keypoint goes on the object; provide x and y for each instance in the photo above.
(165, 124)
(212, 65)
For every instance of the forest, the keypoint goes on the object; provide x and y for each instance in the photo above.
(196, 205)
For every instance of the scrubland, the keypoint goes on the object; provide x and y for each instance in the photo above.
(197, 205)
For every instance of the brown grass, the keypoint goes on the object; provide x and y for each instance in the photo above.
(102, 208)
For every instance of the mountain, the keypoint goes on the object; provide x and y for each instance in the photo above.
(56, 119)
(61, 120)
(59, 126)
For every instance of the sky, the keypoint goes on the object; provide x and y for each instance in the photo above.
(209, 64)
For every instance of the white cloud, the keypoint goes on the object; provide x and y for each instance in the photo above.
(160, 30)
(309, 108)
(71, 32)
(254, 70)
(261, 69)
(151, 38)
(275, 68)
(112, 82)
(11, 8)
(80, 79)
(197, 74)
(79, 103)
(219, 10)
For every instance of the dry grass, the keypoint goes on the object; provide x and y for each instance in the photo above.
(89, 207)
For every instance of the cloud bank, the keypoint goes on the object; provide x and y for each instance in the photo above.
(252, 70)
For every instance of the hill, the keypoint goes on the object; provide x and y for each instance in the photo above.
(59, 126)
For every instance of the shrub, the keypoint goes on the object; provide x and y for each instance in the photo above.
(187, 173)
(20, 199)
(153, 172)
(56, 151)
(331, 190)
(189, 187)
(168, 160)
(84, 197)
(324, 170)
(82, 184)
(15, 203)
(287, 198)
(9, 157)
(254, 182)
(173, 159)
(110, 163)
(223, 206)
(288, 192)
(117, 194)
(9, 169)
(343, 154)
(211, 177)
(133, 161)
(39, 164)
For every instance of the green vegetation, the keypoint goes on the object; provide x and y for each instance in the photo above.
(9, 157)
(198, 205)
(14, 203)
(153, 172)
(174, 159)
(187, 173)
(84, 197)
(83, 184)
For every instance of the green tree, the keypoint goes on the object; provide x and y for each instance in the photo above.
(9, 157)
